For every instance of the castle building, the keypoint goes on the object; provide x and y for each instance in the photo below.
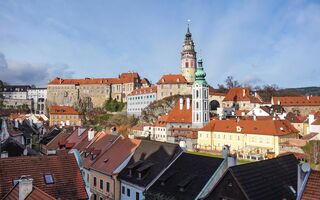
(200, 91)
(94, 90)
(188, 58)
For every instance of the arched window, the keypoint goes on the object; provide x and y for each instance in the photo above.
(187, 64)
(197, 93)
(197, 105)
(197, 117)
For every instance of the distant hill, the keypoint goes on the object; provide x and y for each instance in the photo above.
(303, 91)
(315, 91)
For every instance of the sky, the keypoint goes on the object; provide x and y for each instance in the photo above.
(256, 42)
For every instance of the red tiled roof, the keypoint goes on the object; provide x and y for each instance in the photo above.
(99, 144)
(58, 140)
(172, 79)
(180, 116)
(68, 183)
(35, 194)
(75, 139)
(240, 94)
(146, 90)
(261, 127)
(123, 78)
(297, 101)
(312, 188)
(63, 110)
(122, 148)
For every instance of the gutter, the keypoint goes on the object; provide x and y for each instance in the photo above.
(211, 179)
(300, 192)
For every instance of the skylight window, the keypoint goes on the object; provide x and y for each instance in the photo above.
(48, 179)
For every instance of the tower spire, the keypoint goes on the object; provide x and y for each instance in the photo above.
(200, 75)
(188, 56)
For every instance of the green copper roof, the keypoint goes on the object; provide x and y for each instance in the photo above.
(200, 74)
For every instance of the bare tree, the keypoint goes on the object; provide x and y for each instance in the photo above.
(231, 83)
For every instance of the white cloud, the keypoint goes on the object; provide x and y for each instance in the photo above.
(17, 72)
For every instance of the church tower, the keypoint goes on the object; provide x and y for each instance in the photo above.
(200, 103)
(188, 58)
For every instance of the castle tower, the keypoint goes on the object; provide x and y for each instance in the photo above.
(200, 103)
(188, 58)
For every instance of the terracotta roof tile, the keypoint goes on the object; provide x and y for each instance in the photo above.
(101, 142)
(312, 188)
(68, 183)
(63, 110)
(172, 79)
(240, 94)
(123, 78)
(146, 90)
(261, 127)
(108, 163)
(180, 116)
(297, 101)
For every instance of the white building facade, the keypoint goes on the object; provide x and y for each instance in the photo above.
(139, 99)
(200, 93)
(39, 99)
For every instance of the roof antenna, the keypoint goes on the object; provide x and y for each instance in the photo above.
(189, 20)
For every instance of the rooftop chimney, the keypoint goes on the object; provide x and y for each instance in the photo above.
(244, 92)
(25, 187)
(231, 159)
(308, 97)
(181, 103)
(188, 103)
(90, 134)
(279, 102)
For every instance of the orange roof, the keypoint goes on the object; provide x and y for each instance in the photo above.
(123, 78)
(122, 148)
(297, 101)
(240, 94)
(68, 182)
(63, 110)
(312, 188)
(248, 126)
(146, 90)
(172, 79)
(180, 116)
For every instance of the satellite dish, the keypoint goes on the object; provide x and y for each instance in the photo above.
(305, 167)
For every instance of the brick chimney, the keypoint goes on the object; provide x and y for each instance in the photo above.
(181, 103)
(25, 186)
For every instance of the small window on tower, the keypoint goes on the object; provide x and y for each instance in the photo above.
(187, 64)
